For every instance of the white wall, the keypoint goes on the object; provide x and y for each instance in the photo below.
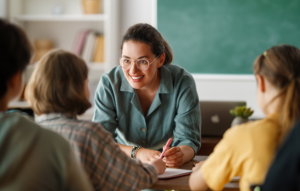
(228, 88)
(135, 11)
(209, 87)
(2, 8)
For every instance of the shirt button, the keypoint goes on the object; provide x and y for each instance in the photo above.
(144, 129)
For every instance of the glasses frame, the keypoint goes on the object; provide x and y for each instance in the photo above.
(131, 60)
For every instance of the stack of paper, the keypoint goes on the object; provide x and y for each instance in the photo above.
(173, 173)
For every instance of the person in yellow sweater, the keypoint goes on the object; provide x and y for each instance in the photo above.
(247, 150)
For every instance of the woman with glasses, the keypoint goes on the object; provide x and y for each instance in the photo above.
(146, 100)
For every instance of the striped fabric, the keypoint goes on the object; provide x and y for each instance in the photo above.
(106, 165)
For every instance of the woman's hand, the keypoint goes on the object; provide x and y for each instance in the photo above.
(147, 155)
(174, 157)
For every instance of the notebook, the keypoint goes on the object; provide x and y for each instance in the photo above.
(216, 118)
(173, 173)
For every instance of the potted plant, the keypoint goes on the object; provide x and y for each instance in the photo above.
(241, 113)
(91, 6)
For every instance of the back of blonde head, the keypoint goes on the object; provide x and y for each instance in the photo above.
(281, 66)
(57, 84)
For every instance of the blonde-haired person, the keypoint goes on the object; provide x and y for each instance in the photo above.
(247, 150)
(58, 92)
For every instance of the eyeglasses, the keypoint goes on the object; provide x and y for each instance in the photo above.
(142, 64)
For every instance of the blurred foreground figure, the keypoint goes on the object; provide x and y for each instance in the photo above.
(32, 158)
(284, 174)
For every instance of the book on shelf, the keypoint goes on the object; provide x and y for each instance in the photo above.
(89, 45)
(99, 49)
(87, 52)
(79, 42)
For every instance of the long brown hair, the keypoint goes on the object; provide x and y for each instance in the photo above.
(281, 66)
(57, 84)
(147, 34)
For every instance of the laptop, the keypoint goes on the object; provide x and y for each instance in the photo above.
(216, 118)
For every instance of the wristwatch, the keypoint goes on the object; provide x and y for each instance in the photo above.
(134, 151)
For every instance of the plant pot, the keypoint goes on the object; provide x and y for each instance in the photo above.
(42, 47)
(239, 120)
(91, 6)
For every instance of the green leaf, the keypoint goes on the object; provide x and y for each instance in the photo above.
(241, 111)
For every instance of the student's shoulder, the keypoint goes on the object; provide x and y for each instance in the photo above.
(93, 129)
(22, 124)
(60, 143)
(97, 134)
(17, 119)
(252, 128)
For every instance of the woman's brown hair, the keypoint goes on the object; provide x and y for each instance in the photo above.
(147, 34)
(280, 65)
(57, 84)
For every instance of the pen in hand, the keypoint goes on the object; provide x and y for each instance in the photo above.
(166, 148)
(175, 144)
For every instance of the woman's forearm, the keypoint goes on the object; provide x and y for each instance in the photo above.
(144, 155)
(188, 153)
(126, 149)
(197, 181)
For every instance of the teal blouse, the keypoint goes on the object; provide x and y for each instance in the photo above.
(174, 112)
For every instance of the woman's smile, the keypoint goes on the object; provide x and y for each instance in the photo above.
(136, 78)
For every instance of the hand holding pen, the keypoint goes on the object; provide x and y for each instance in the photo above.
(166, 147)
(173, 155)
(174, 145)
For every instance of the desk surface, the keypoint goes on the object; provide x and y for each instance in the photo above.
(182, 183)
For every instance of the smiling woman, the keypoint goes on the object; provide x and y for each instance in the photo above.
(145, 101)
(141, 75)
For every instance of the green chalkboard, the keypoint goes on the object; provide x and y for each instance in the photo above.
(225, 36)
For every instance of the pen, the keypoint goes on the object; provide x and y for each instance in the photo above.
(166, 147)
(175, 144)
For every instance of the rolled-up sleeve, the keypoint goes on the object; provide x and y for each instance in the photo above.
(188, 119)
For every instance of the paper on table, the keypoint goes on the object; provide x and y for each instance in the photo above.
(173, 173)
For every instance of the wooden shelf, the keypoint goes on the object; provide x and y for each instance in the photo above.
(38, 21)
(79, 17)
(18, 104)
(96, 66)
(91, 65)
